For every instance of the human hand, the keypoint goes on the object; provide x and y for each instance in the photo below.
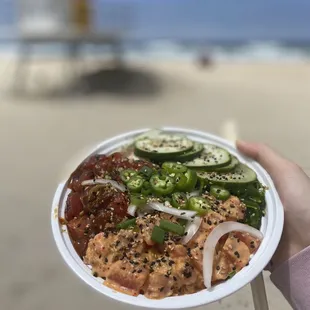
(293, 187)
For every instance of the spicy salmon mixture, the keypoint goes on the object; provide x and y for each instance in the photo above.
(177, 219)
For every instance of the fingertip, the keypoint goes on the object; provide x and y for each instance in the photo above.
(241, 144)
(245, 147)
(263, 154)
(248, 149)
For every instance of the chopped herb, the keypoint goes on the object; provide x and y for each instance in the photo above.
(231, 274)
(158, 235)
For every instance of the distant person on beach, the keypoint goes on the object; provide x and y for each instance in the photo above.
(290, 268)
(204, 60)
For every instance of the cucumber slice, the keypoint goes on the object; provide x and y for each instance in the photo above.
(211, 157)
(162, 146)
(231, 166)
(151, 134)
(241, 175)
(189, 155)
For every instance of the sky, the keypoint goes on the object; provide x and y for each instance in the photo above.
(196, 19)
(235, 19)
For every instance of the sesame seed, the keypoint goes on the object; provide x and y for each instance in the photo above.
(237, 254)
(189, 253)
(187, 274)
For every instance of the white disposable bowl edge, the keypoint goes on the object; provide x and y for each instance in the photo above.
(272, 226)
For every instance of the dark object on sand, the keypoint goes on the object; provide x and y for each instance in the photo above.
(204, 61)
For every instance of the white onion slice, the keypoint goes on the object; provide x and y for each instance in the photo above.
(104, 181)
(212, 240)
(193, 194)
(144, 210)
(183, 214)
(141, 213)
(132, 210)
(133, 157)
(191, 229)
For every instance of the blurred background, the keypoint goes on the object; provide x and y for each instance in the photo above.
(75, 72)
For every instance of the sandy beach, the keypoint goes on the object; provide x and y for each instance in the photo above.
(42, 129)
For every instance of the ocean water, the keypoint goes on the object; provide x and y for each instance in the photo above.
(225, 51)
(260, 51)
(196, 20)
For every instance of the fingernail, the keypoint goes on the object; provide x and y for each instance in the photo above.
(241, 143)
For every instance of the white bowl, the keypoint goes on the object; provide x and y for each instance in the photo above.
(272, 225)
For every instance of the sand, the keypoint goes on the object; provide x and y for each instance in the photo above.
(40, 131)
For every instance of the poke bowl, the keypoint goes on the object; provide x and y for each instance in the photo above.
(169, 218)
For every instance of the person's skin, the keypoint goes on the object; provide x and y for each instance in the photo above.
(293, 186)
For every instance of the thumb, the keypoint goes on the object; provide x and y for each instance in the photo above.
(264, 155)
